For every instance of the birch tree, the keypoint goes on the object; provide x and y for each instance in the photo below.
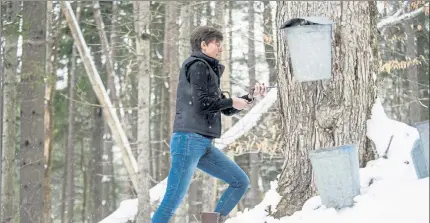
(316, 114)
(142, 20)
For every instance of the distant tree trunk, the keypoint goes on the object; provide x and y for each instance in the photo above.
(32, 89)
(269, 50)
(157, 61)
(142, 15)
(114, 41)
(83, 165)
(251, 62)
(170, 70)
(414, 107)
(107, 53)
(96, 164)
(69, 183)
(52, 42)
(317, 115)
(251, 44)
(11, 24)
(1, 103)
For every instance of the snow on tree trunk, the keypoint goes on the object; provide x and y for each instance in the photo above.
(331, 113)
(142, 20)
(31, 158)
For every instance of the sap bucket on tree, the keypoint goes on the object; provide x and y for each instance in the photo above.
(309, 43)
(337, 177)
(420, 150)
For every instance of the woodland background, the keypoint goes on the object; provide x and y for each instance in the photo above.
(59, 160)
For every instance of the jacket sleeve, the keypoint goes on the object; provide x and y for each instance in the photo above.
(205, 101)
(232, 111)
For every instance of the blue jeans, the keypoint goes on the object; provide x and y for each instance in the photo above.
(191, 150)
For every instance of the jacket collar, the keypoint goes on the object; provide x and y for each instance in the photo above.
(214, 63)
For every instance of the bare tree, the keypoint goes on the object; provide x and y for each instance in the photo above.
(142, 15)
(11, 23)
(32, 161)
(52, 37)
(325, 114)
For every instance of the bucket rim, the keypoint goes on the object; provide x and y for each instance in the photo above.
(329, 149)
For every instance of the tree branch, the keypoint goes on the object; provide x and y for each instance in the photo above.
(392, 20)
(401, 10)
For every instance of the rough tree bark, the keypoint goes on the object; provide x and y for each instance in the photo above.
(32, 159)
(142, 19)
(11, 23)
(325, 114)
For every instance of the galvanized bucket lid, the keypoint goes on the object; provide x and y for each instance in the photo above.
(302, 21)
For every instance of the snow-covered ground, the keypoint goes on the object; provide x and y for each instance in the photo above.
(390, 190)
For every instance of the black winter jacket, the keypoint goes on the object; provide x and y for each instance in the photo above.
(199, 101)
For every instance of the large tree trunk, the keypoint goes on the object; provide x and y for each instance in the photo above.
(32, 137)
(11, 24)
(142, 15)
(316, 114)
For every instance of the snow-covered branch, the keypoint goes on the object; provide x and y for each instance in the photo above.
(402, 9)
(395, 19)
(248, 121)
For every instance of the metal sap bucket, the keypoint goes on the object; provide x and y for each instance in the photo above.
(420, 150)
(337, 176)
(309, 41)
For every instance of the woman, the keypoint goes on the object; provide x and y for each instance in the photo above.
(199, 105)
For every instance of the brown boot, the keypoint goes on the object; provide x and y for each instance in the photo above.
(222, 219)
(210, 217)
